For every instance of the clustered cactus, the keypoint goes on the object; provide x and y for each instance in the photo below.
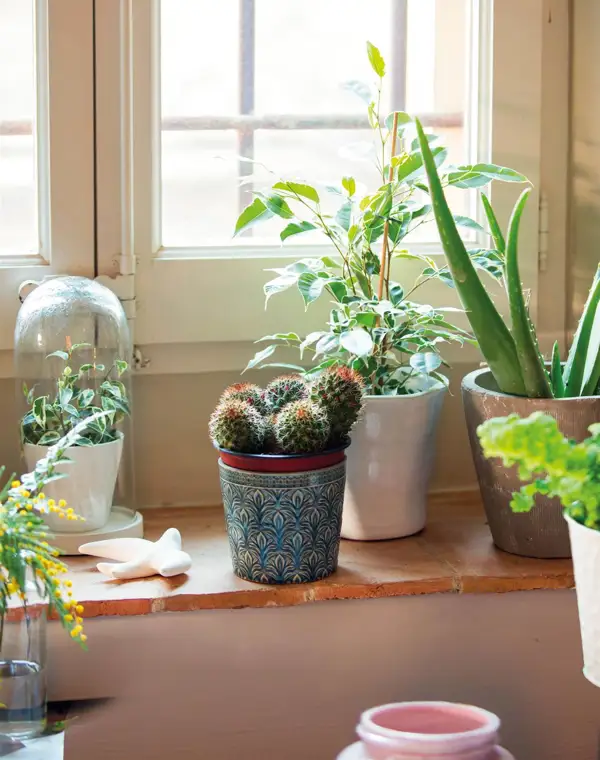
(291, 416)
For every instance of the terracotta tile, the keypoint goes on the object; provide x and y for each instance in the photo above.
(454, 554)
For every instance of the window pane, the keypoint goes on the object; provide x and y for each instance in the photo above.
(267, 80)
(18, 193)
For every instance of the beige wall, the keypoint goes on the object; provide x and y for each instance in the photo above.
(585, 186)
(289, 684)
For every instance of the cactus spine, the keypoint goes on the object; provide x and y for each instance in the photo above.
(236, 425)
(247, 392)
(302, 427)
(284, 390)
(339, 390)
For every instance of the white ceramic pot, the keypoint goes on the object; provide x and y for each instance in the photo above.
(585, 546)
(89, 487)
(389, 466)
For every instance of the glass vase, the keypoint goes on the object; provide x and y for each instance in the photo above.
(23, 672)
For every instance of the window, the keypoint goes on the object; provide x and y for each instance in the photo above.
(199, 85)
(46, 145)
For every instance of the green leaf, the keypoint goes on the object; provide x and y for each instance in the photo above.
(86, 367)
(556, 377)
(338, 288)
(495, 229)
(64, 396)
(410, 166)
(396, 294)
(344, 214)
(582, 363)
(366, 319)
(310, 286)
(49, 438)
(495, 340)
(283, 365)
(278, 206)
(349, 185)
(357, 342)
(85, 398)
(61, 355)
(256, 212)
(403, 120)
(260, 356)
(466, 221)
(532, 367)
(295, 228)
(298, 188)
(425, 362)
(121, 366)
(279, 284)
(331, 263)
(280, 336)
(499, 172)
(328, 343)
(39, 410)
(311, 338)
(376, 60)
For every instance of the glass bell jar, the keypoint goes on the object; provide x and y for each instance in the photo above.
(72, 355)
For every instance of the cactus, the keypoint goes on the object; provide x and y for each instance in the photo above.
(339, 390)
(247, 392)
(302, 427)
(284, 390)
(236, 425)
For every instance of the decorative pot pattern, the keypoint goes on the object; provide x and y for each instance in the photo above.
(89, 487)
(283, 528)
(389, 466)
(542, 532)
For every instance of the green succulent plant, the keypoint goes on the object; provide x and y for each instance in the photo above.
(283, 390)
(339, 390)
(302, 427)
(237, 425)
(555, 465)
(511, 348)
(247, 392)
(81, 392)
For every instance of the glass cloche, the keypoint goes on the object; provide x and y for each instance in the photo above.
(72, 355)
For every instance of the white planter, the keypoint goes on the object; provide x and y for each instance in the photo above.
(585, 545)
(89, 487)
(389, 466)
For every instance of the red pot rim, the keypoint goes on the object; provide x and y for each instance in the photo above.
(282, 463)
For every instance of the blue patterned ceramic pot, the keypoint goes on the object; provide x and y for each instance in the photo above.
(284, 527)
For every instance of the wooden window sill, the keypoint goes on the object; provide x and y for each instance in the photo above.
(454, 554)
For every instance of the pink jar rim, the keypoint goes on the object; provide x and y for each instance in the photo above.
(490, 723)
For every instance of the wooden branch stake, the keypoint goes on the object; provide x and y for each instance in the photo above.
(384, 245)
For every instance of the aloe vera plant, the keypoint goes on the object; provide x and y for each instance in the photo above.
(511, 349)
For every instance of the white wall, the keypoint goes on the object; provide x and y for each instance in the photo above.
(289, 684)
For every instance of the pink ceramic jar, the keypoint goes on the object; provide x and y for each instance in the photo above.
(427, 730)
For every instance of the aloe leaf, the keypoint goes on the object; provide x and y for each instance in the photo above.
(532, 365)
(495, 230)
(495, 340)
(556, 378)
(582, 355)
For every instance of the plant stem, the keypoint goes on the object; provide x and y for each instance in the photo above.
(385, 245)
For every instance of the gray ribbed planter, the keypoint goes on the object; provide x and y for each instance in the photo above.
(543, 531)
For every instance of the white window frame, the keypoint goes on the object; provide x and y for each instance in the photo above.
(200, 309)
(65, 159)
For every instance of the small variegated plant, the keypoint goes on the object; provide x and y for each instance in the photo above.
(81, 393)
(376, 326)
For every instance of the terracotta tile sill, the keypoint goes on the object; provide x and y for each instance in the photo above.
(454, 554)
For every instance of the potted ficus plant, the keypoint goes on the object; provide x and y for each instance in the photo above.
(31, 584)
(518, 378)
(82, 391)
(282, 467)
(568, 471)
(376, 325)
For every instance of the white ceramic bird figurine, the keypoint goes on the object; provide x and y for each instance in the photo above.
(139, 558)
